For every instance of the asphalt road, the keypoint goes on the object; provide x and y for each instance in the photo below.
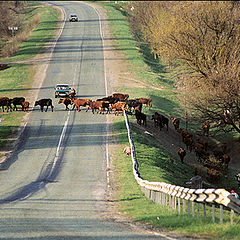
(53, 186)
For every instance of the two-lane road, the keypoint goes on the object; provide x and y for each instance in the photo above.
(54, 184)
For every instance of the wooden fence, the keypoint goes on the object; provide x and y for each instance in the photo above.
(184, 200)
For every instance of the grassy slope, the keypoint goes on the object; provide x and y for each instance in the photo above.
(17, 80)
(153, 160)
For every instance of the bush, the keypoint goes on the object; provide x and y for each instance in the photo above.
(10, 49)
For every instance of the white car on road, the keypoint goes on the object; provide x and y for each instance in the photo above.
(73, 18)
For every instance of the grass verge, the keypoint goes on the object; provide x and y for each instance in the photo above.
(153, 160)
(18, 78)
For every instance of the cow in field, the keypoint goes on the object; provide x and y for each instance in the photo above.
(175, 122)
(5, 102)
(201, 153)
(160, 120)
(181, 154)
(157, 119)
(147, 101)
(132, 103)
(189, 143)
(185, 133)
(120, 96)
(141, 118)
(17, 101)
(25, 106)
(127, 150)
(138, 108)
(164, 122)
(205, 129)
(66, 102)
(119, 106)
(81, 102)
(44, 102)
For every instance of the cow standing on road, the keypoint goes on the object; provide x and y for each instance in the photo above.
(66, 102)
(44, 102)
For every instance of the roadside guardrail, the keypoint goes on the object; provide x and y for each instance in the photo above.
(180, 198)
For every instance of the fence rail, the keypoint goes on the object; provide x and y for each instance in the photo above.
(168, 194)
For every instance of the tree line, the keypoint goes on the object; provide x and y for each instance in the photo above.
(204, 37)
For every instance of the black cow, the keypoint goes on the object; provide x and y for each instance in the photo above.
(141, 118)
(17, 101)
(157, 119)
(160, 120)
(44, 102)
(105, 105)
(5, 102)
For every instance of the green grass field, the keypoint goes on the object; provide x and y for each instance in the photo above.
(153, 159)
(16, 80)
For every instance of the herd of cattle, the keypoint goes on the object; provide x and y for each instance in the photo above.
(119, 102)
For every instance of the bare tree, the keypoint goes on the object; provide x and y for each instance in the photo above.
(205, 37)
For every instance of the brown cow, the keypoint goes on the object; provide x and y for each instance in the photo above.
(81, 102)
(66, 101)
(181, 154)
(175, 122)
(25, 106)
(147, 101)
(127, 150)
(189, 143)
(185, 133)
(119, 106)
(105, 105)
(205, 129)
(97, 105)
(120, 96)
(200, 152)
